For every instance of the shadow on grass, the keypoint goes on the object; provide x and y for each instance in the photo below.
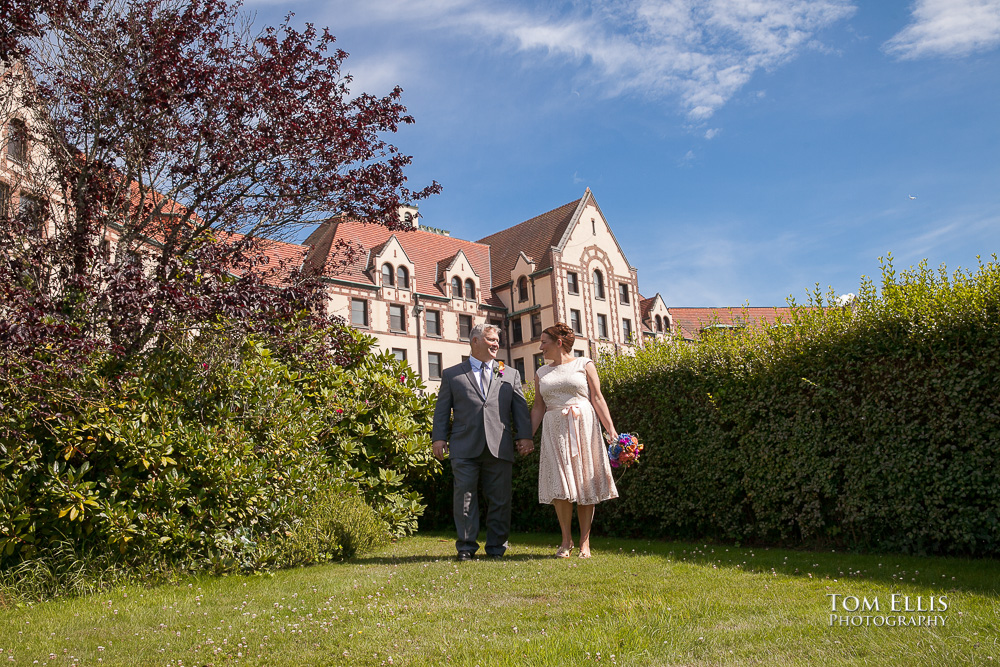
(938, 573)
(981, 576)
(479, 559)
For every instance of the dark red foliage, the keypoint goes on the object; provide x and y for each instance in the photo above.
(184, 139)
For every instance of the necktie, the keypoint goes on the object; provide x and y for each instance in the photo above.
(483, 379)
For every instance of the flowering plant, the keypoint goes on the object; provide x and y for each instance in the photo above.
(624, 451)
(500, 368)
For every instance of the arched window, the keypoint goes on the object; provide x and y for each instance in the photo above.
(387, 274)
(522, 289)
(659, 323)
(456, 287)
(470, 289)
(403, 277)
(598, 284)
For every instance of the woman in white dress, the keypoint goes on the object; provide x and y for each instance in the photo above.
(573, 462)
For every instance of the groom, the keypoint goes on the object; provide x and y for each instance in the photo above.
(486, 398)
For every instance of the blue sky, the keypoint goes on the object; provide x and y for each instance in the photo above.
(742, 150)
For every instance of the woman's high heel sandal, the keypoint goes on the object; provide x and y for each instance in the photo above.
(564, 552)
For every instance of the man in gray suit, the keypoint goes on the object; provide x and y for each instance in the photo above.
(487, 402)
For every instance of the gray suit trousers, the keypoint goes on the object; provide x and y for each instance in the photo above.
(496, 476)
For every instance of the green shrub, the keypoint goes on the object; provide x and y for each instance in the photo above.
(873, 426)
(215, 451)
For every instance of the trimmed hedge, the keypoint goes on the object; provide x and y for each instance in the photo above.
(874, 426)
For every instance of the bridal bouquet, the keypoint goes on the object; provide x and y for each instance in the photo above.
(625, 451)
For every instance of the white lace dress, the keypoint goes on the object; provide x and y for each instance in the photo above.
(573, 458)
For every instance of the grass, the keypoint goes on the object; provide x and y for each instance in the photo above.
(634, 603)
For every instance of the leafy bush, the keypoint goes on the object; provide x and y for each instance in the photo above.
(216, 451)
(873, 425)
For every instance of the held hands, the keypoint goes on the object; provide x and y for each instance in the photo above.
(525, 446)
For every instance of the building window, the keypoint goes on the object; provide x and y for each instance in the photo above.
(4, 198)
(539, 361)
(432, 318)
(399, 353)
(403, 278)
(577, 353)
(659, 323)
(593, 226)
(522, 289)
(598, 284)
(456, 287)
(105, 251)
(572, 285)
(602, 326)
(359, 312)
(623, 293)
(470, 289)
(574, 322)
(397, 317)
(33, 212)
(434, 365)
(17, 140)
(519, 367)
(627, 329)
(464, 326)
(536, 325)
(515, 330)
(500, 331)
(387, 274)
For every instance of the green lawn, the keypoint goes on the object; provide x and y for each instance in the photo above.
(634, 603)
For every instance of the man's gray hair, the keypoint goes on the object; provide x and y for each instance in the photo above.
(480, 330)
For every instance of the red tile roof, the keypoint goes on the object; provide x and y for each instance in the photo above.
(534, 237)
(281, 258)
(690, 322)
(430, 253)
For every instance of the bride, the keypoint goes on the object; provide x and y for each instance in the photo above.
(573, 462)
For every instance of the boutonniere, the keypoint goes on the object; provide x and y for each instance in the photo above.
(499, 369)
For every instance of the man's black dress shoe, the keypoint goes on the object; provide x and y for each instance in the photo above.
(463, 555)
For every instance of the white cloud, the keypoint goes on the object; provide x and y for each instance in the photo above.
(712, 133)
(948, 28)
(701, 52)
(379, 75)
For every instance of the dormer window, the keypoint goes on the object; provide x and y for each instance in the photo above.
(659, 323)
(522, 289)
(402, 278)
(470, 289)
(387, 275)
(456, 287)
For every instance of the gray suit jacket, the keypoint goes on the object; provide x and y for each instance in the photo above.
(494, 421)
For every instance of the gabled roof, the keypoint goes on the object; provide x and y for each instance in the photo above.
(537, 237)
(646, 305)
(534, 237)
(689, 323)
(428, 251)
